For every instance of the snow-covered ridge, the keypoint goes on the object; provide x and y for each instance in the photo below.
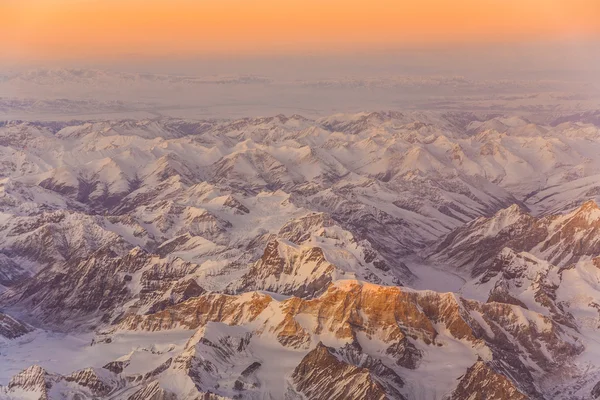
(561, 239)
(393, 338)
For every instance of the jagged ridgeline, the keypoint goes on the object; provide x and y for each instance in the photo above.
(367, 256)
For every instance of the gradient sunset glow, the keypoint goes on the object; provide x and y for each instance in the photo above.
(89, 28)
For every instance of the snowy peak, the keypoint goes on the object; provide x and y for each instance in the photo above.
(300, 230)
(35, 382)
(288, 269)
(588, 212)
(521, 279)
(33, 379)
(565, 294)
(573, 236)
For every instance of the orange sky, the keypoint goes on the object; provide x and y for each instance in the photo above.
(89, 28)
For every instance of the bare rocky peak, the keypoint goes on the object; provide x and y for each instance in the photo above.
(321, 375)
(152, 391)
(32, 379)
(480, 382)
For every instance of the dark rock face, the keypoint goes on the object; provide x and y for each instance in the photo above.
(152, 391)
(33, 379)
(116, 367)
(353, 354)
(405, 353)
(482, 383)
(180, 292)
(10, 272)
(321, 375)
(89, 379)
(247, 378)
(91, 286)
(100, 284)
(466, 251)
(10, 328)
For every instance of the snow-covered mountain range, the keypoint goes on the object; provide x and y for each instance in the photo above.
(383, 255)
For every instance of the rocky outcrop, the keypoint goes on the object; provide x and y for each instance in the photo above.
(560, 239)
(300, 230)
(473, 245)
(55, 237)
(320, 375)
(98, 286)
(11, 272)
(563, 294)
(116, 367)
(10, 328)
(98, 382)
(355, 355)
(36, 382)
(152, 391)
(482, 383)
(198, 311)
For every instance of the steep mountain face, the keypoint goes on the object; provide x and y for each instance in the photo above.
(303, 272)
(103, 285)
(565, 294)
(37, 383)
(559, 239)
(274, 258)
(480, 383)
(321, 375)
(557, 276)
(33, 381)
(53, 237)
(10, 328)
